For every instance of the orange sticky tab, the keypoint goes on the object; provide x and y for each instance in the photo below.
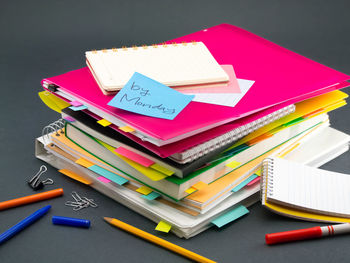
(75, 176)
(313, 113)
(199, 185)
(84, 162)
(190, 190)
(126, 129)
(104, 123)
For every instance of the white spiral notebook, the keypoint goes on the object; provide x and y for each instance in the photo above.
(306, 188)
(171, 64)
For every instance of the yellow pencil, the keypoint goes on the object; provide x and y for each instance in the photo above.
(159, 241)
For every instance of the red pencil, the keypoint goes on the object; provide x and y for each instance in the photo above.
(308, 233)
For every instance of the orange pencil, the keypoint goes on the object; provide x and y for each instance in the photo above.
(31, 199)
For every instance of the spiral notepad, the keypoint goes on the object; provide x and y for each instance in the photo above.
(305, 188)
(171, 64)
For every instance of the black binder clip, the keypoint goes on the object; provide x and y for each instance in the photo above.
(35, 182)
(52, 87)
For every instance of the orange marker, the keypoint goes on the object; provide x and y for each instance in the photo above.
(31, 199)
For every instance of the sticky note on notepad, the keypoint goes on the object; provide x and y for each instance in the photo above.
(163, 227)
(151, 98)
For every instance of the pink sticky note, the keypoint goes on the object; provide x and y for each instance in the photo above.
(254, 181)
(231, 87)
(76, 103)
(69, 118)
(134, 157)
(104, 179)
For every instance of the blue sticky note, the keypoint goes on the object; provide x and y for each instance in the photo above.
(230, 216)
(244, 183)
(82, 107)
(109, 175)
(149, 97)
(151, 196)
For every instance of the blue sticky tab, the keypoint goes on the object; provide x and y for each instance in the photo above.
(151, 196)
(148, 97)
(109, 175)
(230, 216)
(82, 107)
(244, 183)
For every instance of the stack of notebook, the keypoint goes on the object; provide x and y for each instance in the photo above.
(201, 168)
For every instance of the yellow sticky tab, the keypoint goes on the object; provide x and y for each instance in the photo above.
(163, 227)
(52, 101)
(149, 172)
(190, 190)
(199, 185)
(75, 176)
(126, 129)
(104, 123)
(84, 162)
(161, 169)
(258, 172)
(144, 190)
(233, 164)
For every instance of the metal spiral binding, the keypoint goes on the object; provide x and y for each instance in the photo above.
(197, 152)
(267, 176)
(56, 127)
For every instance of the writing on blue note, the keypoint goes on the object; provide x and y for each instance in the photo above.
(149, 97)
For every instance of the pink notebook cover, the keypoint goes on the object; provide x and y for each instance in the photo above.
(280, 76)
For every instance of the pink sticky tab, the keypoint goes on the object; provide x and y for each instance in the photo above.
(68, 118)
(254, 181)
(76, 103)
(104, 179)
(134, 157)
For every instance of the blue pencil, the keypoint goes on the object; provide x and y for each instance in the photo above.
(23, 224)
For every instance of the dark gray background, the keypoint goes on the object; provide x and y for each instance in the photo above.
(41, 39)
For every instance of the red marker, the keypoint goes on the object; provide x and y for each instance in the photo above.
(308, 233)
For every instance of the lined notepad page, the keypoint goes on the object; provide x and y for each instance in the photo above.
(170, 64)
(308, 188)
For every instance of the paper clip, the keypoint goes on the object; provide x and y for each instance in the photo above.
(35, 182)
(80, 202)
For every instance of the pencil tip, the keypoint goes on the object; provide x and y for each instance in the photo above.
(108, 219)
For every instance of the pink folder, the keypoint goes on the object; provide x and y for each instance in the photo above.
(280, 76)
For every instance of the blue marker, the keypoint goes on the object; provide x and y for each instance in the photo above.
(24, 223)
(69, 221)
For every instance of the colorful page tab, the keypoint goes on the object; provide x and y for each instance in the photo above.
(163, 227)
(148, 97)
(233, 164)
(191, 190)
(244, 183)
(161, 169)
(144, 190)
(109, 175)
(83, 107)
(126, 129)
(104, 123)
(69, 119)
(134, 156)
(151, 196)
(84, 162)
(75, 176)
(257, 179)
(230, 216)
(199, 185)
(76, 103)
(104, 179)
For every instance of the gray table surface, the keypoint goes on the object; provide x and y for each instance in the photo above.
(46, 38)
